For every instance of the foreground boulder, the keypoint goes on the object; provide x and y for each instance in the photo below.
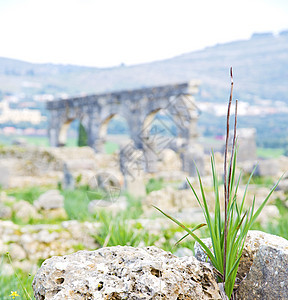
(263, 268)
(268, 276)
(124, 273)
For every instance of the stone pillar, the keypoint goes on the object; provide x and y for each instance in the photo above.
(150, 154)
(53, 136)
(54, 129)
(191, 158)
(94, 141)
(194, 115)
(136, 131)
(93, 133)
(247, 149)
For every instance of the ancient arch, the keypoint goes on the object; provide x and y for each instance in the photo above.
(103, 129)
(134, 106)
(63, 132)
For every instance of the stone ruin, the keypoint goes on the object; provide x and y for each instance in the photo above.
(139, 108)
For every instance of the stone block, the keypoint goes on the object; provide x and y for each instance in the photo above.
(268, 276)
(267, 167)
(124, 273)
(52, 199)
(263, 266)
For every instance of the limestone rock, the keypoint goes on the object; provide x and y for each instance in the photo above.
(247, 149)
(5, 176)
(181, 252)
(83, 232)
(267, 167)
(124, 273)
(269, 212)
(255, 241)
(283, 185)
(52, 199)
(30, 244)
(80, 164)
(56, 213)
(283, 163)
(135, 185)
(170, 200)
(16, 252)
(170, 161)
(25, 211)
(268, 276)
(5, 211)
(192, 157)
(4, 198)
(120, 204)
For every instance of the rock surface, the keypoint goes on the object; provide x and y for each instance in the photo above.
(268, 276)
(120, 204)
(25, 211)
(5, 211)
(30, 244)
(171, 199)
(51, 199)
(264, 261)
(267, 167)
(38, 166)
(124, 273)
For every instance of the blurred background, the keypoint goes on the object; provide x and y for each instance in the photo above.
(72, 198)
(60, 49)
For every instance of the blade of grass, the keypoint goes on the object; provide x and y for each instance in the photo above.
(258, 211)
(207, 250)
(187, 234)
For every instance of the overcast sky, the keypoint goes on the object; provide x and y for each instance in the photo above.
(110, 32)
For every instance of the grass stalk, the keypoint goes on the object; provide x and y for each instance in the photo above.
(27, 296)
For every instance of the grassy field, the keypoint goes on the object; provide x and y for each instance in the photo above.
(116, 228)
(113, 141)
(76, 204)
(110, 146)
(270, 152)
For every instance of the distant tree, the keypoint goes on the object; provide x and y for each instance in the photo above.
(82, 136)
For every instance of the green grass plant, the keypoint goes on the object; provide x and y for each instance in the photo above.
(278, 226)
(29, 194)
(154, 185)
(270, 152)
(111, 147)
(76, 204)
(134, 207)
(265, 181)
(11, 283)
(19, 282)
(228, 232)
(116, 231)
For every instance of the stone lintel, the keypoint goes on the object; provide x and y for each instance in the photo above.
(150, 93)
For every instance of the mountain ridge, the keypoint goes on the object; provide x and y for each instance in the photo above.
(260, 67)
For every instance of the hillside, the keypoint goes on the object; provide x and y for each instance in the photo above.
(260, 69)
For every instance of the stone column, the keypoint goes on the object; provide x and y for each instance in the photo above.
(193, 157)
(54, 128)
(136, 129)
(151, 155)
(192, 153)
(53, 137)
(247, 149)
(95, 140)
